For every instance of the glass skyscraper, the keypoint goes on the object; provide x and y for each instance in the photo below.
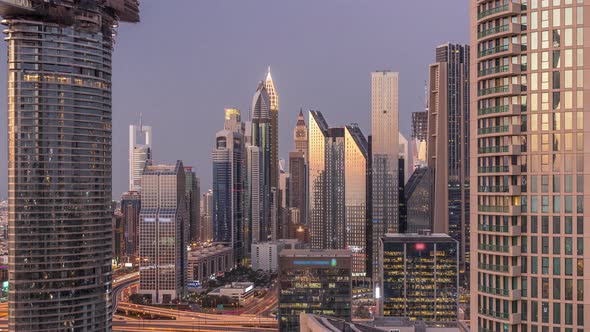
(59, 161)
(228, 184)
(530, 158)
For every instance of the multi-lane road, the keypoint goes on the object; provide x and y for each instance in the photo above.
(255, 318)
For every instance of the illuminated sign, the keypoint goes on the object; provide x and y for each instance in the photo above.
(165, 219)
(249, 288)
(420, 246)
(149, 219)
(194, 284)
(331, 262)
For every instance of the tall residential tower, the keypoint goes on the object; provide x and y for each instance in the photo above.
(448, 144)
(529, 165)
(59, 161)
(384, 159)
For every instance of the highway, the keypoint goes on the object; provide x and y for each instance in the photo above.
(252, 320)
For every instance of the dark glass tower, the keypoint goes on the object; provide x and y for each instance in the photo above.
(59, 161)
(261, 138)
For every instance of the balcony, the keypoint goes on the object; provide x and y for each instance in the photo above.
(511, 190)
(494, 314)
(493, 169)
(493, 268)
(501, 209)
(503, 110)
(508, 230)
(493, 149)
(511, 89)
(493, 247)
(493, 291)
(500, 50)
(504, 10)
(499, 71)
(499, 31)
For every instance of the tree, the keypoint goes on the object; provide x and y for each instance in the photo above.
(362, 312)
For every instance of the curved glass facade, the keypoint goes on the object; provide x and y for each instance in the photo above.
(59, 164)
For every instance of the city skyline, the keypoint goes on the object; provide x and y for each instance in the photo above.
(195, 74)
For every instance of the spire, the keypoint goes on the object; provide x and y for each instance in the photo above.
(140, 122)
(300, 118)
(268, 76)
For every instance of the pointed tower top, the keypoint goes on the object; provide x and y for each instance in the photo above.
(268, 76)
(141, 121)
(300, 118)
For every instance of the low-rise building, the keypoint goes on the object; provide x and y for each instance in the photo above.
(240, 291)
(314, 281)
(265, 255)
(207, 261)
(420, 276)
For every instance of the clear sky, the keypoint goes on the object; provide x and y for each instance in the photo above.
(189, 59)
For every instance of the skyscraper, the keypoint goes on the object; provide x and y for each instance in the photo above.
(404, 153)
(529, 168)
(297, 195)
(130, 208)
(448, 144)
(418, 195)
(207, 212)
(59, 184)
(163, 235)
(298, 169)
(193, 196)
(318, 135)
(274, 130)
(300, 136)
(261, 130)
(418, 139)
(228, 184)
(253, 202)
(384, 158)
(140, 152)
(338, 189)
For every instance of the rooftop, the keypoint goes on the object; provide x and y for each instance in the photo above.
(315, 253)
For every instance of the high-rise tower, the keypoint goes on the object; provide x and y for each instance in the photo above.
(338, 189)
(261, 138)
(384, 158)
(529, 165)
(448, 144)
(163, 233)
(228, 184)
(300, 135)
(274, 130)
(298, 169)
(59, 161)
(140, 153)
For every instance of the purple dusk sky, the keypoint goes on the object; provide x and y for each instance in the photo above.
(189, 59)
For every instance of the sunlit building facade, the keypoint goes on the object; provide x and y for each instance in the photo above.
(59, 161)
(384, 159)
(140, 153)
(420, 276)
(530, 150)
